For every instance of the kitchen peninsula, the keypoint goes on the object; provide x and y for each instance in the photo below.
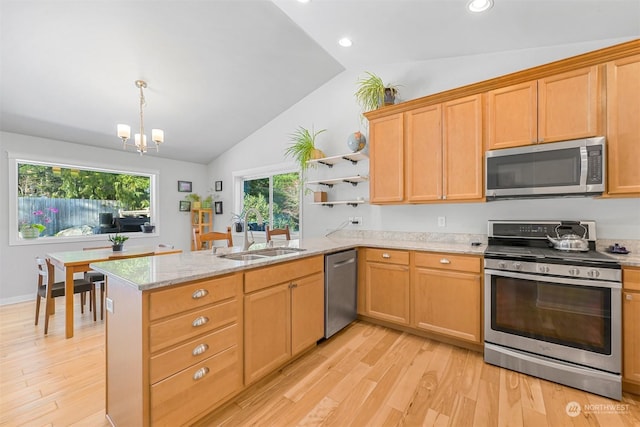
(186, 332)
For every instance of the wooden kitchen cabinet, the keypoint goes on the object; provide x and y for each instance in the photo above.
(631, 329)
(623, 132)
(386, 159)
(556, 108)
(387, 292)
(442, 154)
(178, 351)
(447, 295)
(284, 313)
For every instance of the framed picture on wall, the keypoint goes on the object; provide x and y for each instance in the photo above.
(218, 185)
(184, 186)
(185, 206)
(218, 208)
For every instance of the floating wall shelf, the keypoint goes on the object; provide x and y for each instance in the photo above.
(354, 158)
(353, 180)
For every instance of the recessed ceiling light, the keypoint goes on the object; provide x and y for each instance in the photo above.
(304, 1)
(479, 5)
(345, 42)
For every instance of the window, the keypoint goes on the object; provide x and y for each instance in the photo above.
(65, 201)
(276, 196)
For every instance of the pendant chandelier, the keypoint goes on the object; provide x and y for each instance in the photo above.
(140, 139)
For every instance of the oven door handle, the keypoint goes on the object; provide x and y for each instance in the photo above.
(553, 279)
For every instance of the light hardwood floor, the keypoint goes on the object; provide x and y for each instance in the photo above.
(365, 376)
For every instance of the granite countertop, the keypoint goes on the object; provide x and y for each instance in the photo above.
(159, 271)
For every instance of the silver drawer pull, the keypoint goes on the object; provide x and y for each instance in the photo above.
(386, 255)
(200, 349)
(200, 373)
(445, 261)
(199, 321)
(200, 293)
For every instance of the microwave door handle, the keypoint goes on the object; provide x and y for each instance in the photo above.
(584, 166)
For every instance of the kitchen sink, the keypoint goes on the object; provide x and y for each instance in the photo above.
(260, 254)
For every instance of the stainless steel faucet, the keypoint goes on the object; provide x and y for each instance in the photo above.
(247, 244)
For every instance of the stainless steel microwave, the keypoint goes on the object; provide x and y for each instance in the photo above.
(568, 168)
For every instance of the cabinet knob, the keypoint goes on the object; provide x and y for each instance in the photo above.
(200, 293)
(199, 349)
(445, 261)
(628, 297)
(293, 285)
(199, 321)
(386, 255)
(200, 373)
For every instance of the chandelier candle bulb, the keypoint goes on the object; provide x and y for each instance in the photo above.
(124, 131)
(157, 135)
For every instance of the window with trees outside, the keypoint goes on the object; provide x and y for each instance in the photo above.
(67, 201)
(276, 197)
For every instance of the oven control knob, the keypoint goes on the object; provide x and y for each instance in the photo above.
(574, 271)
(502, 264)
(543, 268)
(593, 273)
(517, 266)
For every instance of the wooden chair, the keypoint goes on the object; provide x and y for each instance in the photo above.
(205, 241)
(278, 231)
(97, 278)
(48, 289)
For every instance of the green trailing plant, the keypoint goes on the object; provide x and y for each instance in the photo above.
(303, 148)
(371, 92)
(118, 239)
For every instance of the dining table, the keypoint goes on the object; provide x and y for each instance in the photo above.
(72, 262)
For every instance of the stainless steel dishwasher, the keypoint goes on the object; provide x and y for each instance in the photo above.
(340, 290)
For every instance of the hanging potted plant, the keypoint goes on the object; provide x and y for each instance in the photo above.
(372, 93)
(117, 241)
(303, 147)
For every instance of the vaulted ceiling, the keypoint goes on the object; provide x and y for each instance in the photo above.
(219, 70)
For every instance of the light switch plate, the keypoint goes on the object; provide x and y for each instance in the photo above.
(109, 304)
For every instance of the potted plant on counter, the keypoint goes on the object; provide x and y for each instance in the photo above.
(117, 241)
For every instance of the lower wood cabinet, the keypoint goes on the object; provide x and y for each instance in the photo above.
(173, 354)
(631, 328)
(447, 295)
(387, 285)
(284, 314)
(435, 292)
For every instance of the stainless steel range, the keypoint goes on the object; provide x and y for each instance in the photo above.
(554, 314)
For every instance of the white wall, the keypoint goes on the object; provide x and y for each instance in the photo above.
(17, 265)
(333, 107)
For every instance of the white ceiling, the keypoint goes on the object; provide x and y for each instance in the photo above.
(219, 70)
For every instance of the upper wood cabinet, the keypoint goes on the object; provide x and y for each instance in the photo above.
(560, 107)
(433, 153)
(386, 154)
(623, 119)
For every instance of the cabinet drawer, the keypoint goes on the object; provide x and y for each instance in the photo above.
(188, 325)
(187, 297)
(189, 393)
(261, 278)
(168, 363)
(388, 256)
(631, 278)
(446, 261)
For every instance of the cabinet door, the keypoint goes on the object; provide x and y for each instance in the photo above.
(463, 149)
(387, 292)
(448, 303)
(568, 105)
(386, 159)
(307, 312)
(424, 154)
(631, 336)
(623, 138)
(267, 331)
(512, 117)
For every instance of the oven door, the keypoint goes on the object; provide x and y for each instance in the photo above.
(573, 320)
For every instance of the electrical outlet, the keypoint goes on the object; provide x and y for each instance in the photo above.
(109, 304)
(442, 221)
